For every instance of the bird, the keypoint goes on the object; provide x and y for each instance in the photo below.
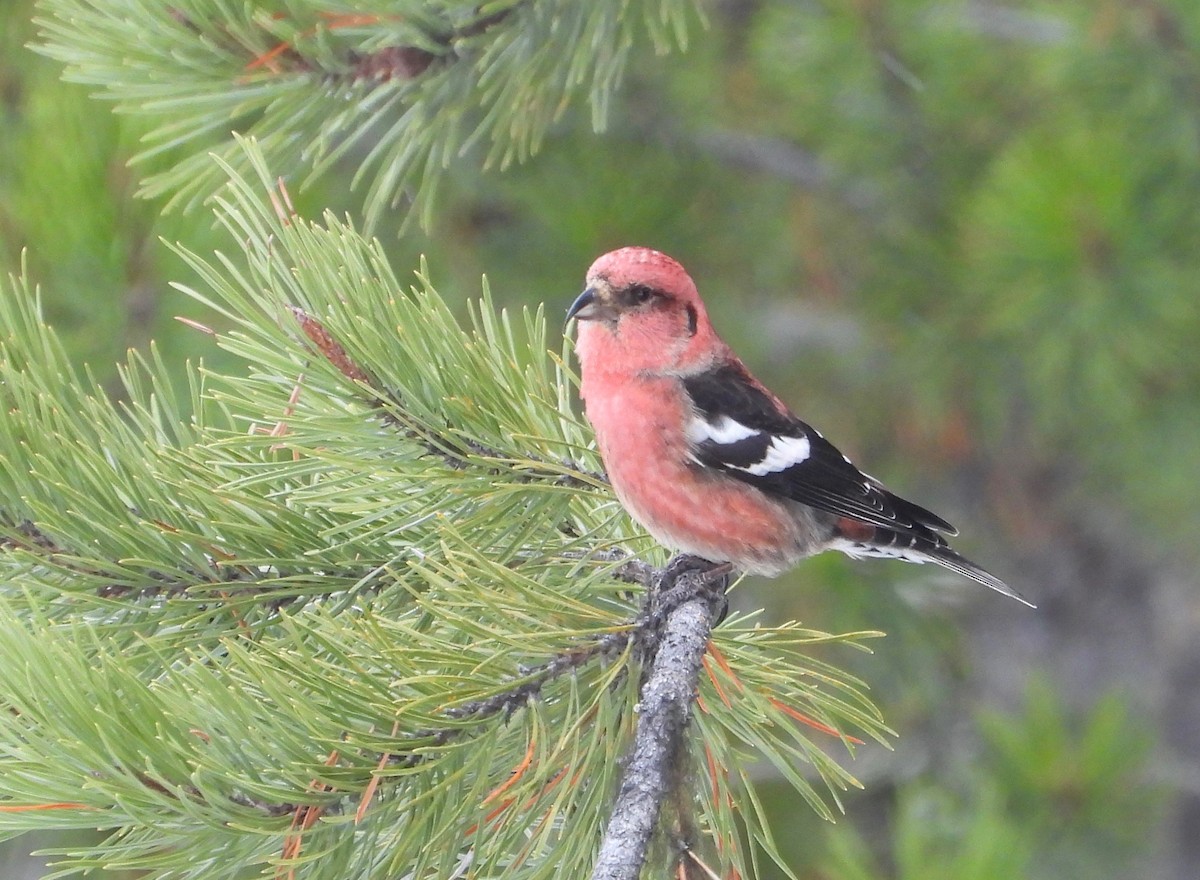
(705, 457)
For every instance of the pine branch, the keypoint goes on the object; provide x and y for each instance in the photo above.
(456, 452)
(653, 768)
(350, 579)
(401, 90)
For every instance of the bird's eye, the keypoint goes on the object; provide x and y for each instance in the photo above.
(640, 293)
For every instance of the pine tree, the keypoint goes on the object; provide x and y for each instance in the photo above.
(366, 606)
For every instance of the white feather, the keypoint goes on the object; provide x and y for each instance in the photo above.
(723, 431)
(783, 453)
(856, 550)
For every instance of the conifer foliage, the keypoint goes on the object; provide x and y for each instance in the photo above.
(361, 610)
(400, 89)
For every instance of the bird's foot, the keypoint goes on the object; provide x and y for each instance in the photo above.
(688, 577)
(685, 578)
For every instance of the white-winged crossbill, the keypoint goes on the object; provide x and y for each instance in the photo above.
(705, 457)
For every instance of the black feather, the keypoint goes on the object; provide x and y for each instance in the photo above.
(825, 479)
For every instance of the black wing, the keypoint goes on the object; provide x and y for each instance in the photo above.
(739, 429)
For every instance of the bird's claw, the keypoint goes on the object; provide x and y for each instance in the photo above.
(700, 578)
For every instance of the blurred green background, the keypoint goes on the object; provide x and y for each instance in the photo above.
(963, 238)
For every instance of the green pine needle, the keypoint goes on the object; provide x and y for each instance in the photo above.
(400, 90)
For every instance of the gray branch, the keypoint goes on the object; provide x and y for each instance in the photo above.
(652, 768)
(787, 161)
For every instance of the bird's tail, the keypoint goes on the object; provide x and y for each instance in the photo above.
(948, 558)
(913, 546)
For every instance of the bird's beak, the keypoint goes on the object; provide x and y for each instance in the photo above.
(585, 308)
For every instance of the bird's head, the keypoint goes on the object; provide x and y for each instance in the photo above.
(640, 312)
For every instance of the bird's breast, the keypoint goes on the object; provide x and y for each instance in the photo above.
(639, 424)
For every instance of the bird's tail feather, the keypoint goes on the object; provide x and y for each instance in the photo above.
(947, 558)
(913, 547)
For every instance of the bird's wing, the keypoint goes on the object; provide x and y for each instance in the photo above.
(740, 428)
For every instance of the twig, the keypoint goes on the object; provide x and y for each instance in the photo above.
(513, 698)
(399, 62)
(461, 453)
(632, 570)
(652, 770)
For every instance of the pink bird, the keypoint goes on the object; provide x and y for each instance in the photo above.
(705, 457)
